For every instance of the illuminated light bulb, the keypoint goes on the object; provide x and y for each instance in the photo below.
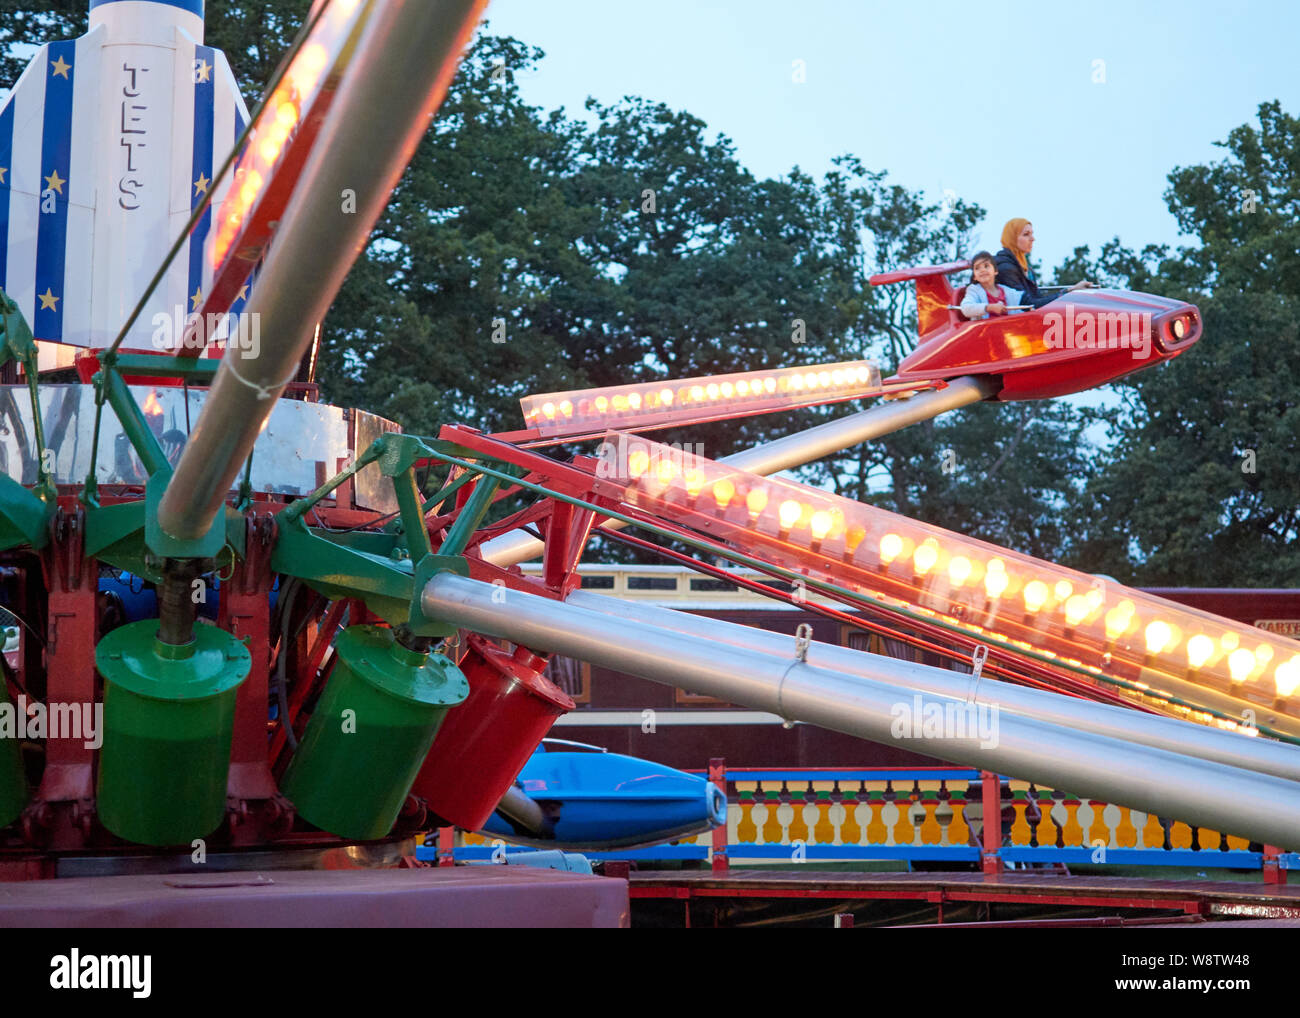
(1241, 663)
(1076, 609)
(697, 393)
(769, 385)
(959, 570)
(789, 513)
(891, 546)
(727, 390)
(694, 479)
(742, 388)
(1095, 599)
(837, 377)
(996, 579)
(1035, 595)
(810, 380)
(666, 397)
(723, 492)
(864, 374)
(1118, 619)
(566, 408)
(637, 462)
(1199, 649)
(1063, 589)
(854, 537)
(620, 403)
(548, 410)
(796, 383)
(711, 390)
(1229, 641)
(634, 400)
(667, 471)
(824, 379)
(286, 114)
(756, 502)
(684, 394)
(1159, 636)
(602, 404)
(820, 524)
(926, 555)
(1287, 677)
(1263, 654)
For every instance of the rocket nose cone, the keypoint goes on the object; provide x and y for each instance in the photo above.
(716, 804)
(134, 17)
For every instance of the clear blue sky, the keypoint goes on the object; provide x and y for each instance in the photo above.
(988, 100)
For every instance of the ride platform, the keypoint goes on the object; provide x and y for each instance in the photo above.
(742, 897)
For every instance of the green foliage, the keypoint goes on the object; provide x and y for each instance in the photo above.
(1202, 485)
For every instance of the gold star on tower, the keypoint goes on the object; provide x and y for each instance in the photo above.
(54, 182)
(201, 184)
(196, 298)
(60, 68)
(48, 300)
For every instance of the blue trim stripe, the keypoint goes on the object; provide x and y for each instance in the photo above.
(7, 165)
(56, 157)
(237, 305)
(192, 6)
(204, 113)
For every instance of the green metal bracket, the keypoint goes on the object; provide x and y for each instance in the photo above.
(24, 517)
(163, 544)
(115, 534)
(354, 565)
(192, 369)
(24, 514)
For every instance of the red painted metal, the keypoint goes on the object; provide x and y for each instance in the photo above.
(1273, 871)
(718, 775)
(68, 779)
(990, 861)
(446, 846)
(485, 742)
(244, 613)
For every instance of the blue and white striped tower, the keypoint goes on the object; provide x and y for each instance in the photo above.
(107, 143)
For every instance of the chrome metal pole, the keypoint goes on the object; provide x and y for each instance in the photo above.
(1256, 754)
(405, 60)
(1208, 794)
(797, 449)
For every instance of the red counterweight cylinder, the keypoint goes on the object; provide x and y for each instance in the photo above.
(485, 742)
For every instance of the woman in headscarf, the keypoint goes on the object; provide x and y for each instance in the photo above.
(1013, 264)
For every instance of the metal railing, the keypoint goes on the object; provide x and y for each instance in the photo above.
(923, 815)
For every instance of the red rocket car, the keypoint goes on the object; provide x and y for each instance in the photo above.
(1080, 340)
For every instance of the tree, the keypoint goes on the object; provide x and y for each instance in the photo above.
(1202, 486)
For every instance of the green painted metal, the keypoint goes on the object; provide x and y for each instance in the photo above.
(471, 515)
(13, 782)
(373, 567)
(24, 516)
(195, 369)
(162, 543)
(370, 733)
(115, 535)
(130, 416)
(169, 715)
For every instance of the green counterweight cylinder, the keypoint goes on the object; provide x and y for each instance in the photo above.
(370, 733)
(169, 714)
(13, 784)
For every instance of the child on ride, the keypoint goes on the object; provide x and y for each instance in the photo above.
(984, 296)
